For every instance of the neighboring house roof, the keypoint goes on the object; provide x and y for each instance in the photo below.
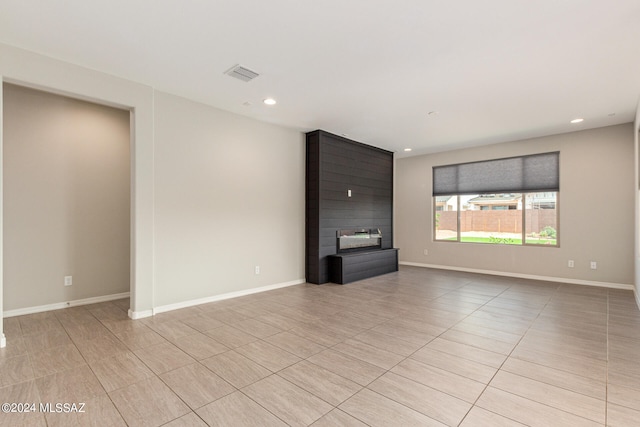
(492, 199)
(443, 199)
(543, 199)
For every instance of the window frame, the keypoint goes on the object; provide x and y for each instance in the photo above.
(524, 228)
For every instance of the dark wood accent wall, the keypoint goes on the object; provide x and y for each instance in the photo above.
(334, 166)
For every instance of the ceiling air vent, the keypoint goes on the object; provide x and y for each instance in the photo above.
(242, 73)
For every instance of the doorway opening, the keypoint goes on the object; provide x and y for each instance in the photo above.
(66, 201)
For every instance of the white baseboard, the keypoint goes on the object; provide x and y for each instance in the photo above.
(59, 305)
(527, 276)
(637, 294)
(135, 315)
(3, 341)
(191, 303)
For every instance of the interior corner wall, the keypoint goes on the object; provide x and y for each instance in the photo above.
(3, 339)
(229, 197)
(636, 136)
(596, 208)
(66, 199)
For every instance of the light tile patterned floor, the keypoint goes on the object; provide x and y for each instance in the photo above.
(418, 347)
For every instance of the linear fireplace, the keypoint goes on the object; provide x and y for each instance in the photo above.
(358, 239)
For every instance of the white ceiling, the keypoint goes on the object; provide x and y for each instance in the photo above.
(494, 70)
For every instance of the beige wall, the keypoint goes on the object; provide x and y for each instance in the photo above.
(41, 72)
(66, 199)
(596, 210)
(229, 196)
(636, 157)
(279, 263)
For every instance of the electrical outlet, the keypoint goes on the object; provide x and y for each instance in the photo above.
(426, 252)
(571, 264)
(257, 269)
(594, 265)
(68, 280)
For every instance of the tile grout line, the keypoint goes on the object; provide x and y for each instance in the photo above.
(532, 322)
(267, 409)
(436, 336)
(270, 375)
(507, 357)
(427, 343)
(93, 372)
(154, 375)
(407, 357)
(365, 386)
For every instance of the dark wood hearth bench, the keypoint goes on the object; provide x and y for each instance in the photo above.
(349, 267)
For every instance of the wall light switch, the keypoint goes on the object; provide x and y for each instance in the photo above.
(68, 280)
(348, 193)
(594, 265)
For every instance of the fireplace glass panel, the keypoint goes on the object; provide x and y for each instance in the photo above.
(358, 239)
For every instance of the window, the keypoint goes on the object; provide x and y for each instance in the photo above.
(541, 218)
(510, 201)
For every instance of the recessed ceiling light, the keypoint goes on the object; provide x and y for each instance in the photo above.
(577, 120)
(270, 101)
(407, 149)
